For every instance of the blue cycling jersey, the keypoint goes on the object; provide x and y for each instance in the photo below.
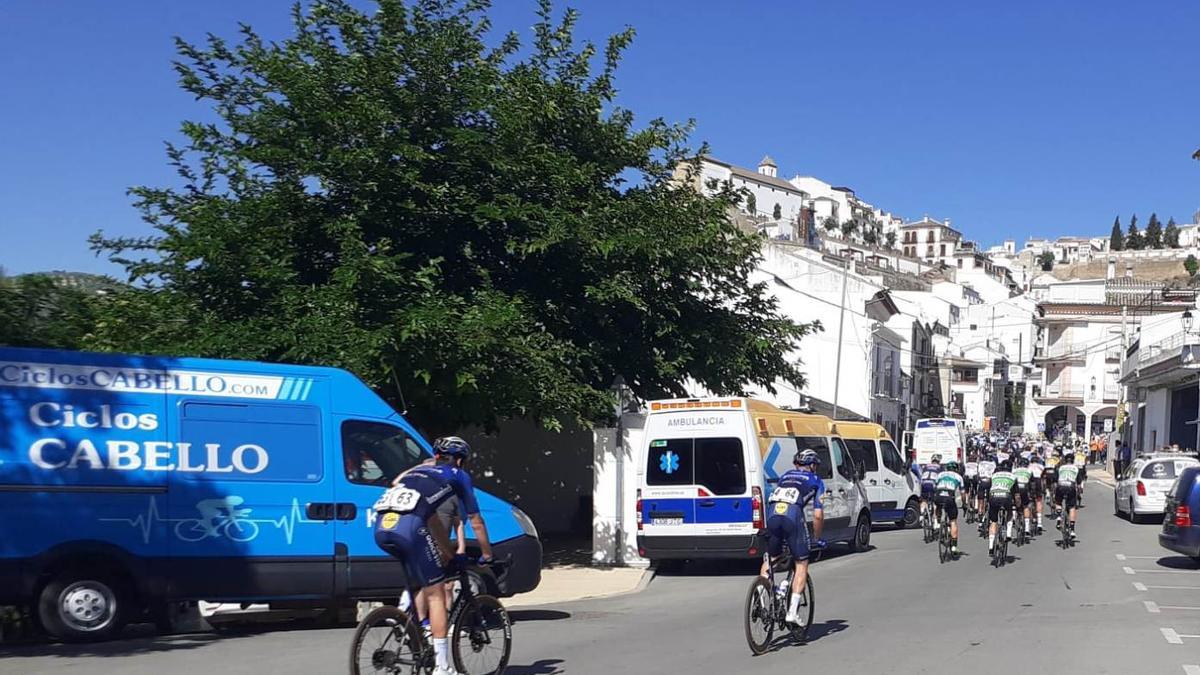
(797, 488)
(423, 489)
(930, 473)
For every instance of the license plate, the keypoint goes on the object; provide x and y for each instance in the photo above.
(666, 521)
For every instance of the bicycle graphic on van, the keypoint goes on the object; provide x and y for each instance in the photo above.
(219, 518)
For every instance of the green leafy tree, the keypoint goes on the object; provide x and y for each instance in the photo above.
(1116, 240)
(849, 228)
(1133, 239)
(1046, 260)
(1171, 234)
(830, 223)
(751, 203)
(891, 239)
(1191, 265)
(1153, 235)
(777, 212)
(39, 310)
(469, 220)
(871, 236)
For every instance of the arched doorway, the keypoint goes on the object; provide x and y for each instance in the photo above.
(1063, 420)
(1100, 417)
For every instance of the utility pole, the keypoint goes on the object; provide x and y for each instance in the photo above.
(837, 374)
(1118, 424)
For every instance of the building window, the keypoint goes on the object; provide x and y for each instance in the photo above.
(929, 236)
(943, 247)
(966, 375)
(960, 263)
(929, 251)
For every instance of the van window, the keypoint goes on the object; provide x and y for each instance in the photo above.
(375, 453)
(717, 464)
(820, 444)
(264, 441)
(844, 466)
(864, 453)
(891, 457)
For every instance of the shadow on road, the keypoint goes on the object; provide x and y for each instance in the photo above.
(820, 630)
(1178, 562)
(542, 667)
(520, 615)
(118, 648)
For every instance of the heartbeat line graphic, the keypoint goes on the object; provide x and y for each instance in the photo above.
(218, 519)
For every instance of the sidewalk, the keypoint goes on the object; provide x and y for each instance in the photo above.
(567, 575)
(1103, 476)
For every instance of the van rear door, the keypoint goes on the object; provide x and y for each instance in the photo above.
(695, 475)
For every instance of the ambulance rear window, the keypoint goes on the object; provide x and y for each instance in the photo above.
(716, 464)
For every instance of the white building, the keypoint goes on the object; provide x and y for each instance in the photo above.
(765, 188)
(930, 240)
(1160, 373)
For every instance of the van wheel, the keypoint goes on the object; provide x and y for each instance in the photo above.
(911, 515)
(80, 606)
(862, 534)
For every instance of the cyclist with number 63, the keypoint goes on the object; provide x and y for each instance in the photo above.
(408, 528)
(785, 523)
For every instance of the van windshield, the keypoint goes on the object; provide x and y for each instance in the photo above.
(717, 464)
(375, 453)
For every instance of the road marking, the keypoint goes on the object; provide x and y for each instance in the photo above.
(1191, 670)
(1166, 588)
(1128, 570)
(1139, 586)
(1171, 636)
(1194, 609)
(1122, 556)
(1151, 607)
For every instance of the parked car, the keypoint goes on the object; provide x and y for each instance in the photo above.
(1181, 529)
(1142, 488)
(893, 490)
(708, 467)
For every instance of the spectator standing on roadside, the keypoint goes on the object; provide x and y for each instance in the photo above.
(1123, 457)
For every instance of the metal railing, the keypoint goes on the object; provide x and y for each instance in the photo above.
(1060, 392)
(1162, 350)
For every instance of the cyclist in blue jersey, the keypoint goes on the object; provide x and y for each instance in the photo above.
(785, 523)
(407, 527)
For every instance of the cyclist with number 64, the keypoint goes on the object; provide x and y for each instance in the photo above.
(785, 523)
(408, 528)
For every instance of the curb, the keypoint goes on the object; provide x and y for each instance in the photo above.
(648, 575)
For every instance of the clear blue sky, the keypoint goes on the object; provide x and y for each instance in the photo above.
(1016, 120)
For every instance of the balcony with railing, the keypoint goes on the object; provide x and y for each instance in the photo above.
(1062, 350)
(1059, 393)
(1162, 350)
(1112, 393)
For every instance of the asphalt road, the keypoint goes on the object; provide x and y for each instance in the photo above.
(1115, 603)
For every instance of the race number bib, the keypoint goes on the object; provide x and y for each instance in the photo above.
(399, 499)
(788, 495)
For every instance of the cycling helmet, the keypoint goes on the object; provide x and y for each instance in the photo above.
(452, 446)
(806, 458)
(1006, 465)
(936, 459)
(952, 466)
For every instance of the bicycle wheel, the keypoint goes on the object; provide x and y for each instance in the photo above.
(807, 603)
(760, 619)
(943, 540)
(482, 637)
(386, 641)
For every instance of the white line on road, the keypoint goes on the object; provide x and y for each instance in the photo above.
(1151, 607)
(1142, 587)
(1194, 609)
(1139, 586)
(1171, 636)
(1122, 556)
(1130, 570)
(1191, 670)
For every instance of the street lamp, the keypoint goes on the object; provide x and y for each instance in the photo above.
(1187, 321)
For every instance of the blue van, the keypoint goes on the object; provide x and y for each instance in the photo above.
(128, 482)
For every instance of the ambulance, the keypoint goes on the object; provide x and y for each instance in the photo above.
(707, 467)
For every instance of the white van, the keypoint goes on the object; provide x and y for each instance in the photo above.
(892, 488)
(939, 436)
(707, 466)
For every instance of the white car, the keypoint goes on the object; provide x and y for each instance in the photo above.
(1142, 488)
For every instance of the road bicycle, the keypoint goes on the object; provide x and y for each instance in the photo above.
(927, 521)
(390, 639)
(1000, 550)
(969, 511)
(768, 598)
(944, 549)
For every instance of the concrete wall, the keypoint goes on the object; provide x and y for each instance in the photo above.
(547, 474)
(614, 490)
(1156, 430)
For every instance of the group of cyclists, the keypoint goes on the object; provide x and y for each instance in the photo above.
(1004, 475)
